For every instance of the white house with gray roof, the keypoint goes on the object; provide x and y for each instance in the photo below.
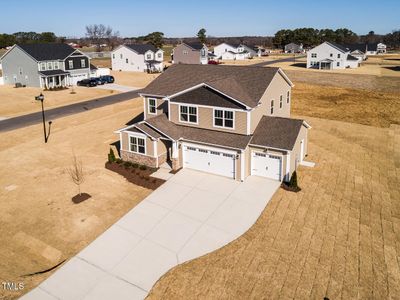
(44, 65)
(227, 51)
(137, 58)
(331, 56)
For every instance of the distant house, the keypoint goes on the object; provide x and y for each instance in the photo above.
(376, 48)
(234, 51)
(45, 65)
(190, 53)
(137, 58)
(329, 56)
(294, 48)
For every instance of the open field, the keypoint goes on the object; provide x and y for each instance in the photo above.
(379, 109)
(365, 82)
(135, 79)
(104, 62)
(167, 52)
(40, 225)
(22, 100)
(338, 238)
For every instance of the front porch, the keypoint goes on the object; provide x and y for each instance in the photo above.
(326, 64)
(54, 79)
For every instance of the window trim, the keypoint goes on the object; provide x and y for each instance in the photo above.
(50, 64)
(271, 107)
(223, 118)
(148, 106)
(280, 101)
(56, 65)
(83, 65)
(188, 122)
(137, 145)
(70, 64)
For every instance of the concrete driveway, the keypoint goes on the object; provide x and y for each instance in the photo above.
(192, 214)
(116, 87)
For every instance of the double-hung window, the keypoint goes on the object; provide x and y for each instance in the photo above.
(338, 56)
(152, 106)
(280, 101)
(223, 118)
(83, 63)
(314, 55)
(56, 65)
(159, 55)
(42, 66)
(49, 66)
(188, 114)
(272, 107)
(137, 145)
(71, 64)
(288, 97)
(148, 56)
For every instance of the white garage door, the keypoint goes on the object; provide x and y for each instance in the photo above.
(75, 78)
(266, 165)
(207, 160)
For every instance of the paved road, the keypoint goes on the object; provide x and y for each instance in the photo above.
(55, 113)
(266, 63)
(190, 215)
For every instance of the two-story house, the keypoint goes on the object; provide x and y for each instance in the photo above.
(190, 53)
(227, 51)
(137, 58)
(233, 121)
(44, 65)
(330, 56)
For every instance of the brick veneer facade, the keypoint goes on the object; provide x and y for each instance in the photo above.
(138, 158)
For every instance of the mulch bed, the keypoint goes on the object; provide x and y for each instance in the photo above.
(289, 188)
(135, 175)
(80, 198)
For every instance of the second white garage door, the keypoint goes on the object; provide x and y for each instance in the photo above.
(207, 160)
(266, 165)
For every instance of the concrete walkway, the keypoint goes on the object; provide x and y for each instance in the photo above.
(116, 87)
(192, 214)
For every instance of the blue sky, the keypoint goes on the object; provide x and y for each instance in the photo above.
(178, 18)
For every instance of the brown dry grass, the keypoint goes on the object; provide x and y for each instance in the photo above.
(135, 79)
(101, 62)
(40, 225)
(22, 100)
(350, 105)
(339, 237)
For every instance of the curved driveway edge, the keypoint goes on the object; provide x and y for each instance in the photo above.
(191, 215)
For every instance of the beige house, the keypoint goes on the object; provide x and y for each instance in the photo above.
(232, 121)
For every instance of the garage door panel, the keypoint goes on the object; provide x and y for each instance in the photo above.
(211, 161)
(266, 165)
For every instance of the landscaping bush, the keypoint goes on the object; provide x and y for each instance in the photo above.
(293, 181)
(135, 165)
(143, 167)
(119, 161)
(111, 155)
(127, 164)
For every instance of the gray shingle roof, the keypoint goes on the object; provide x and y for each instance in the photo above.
(53, 72)
(340, 47)
(50, 51)
(277, 132)
(141, 48)
(244, 83)
(195, 45)
(206, 96)
(351, 57)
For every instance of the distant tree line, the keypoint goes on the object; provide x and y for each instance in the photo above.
(311, 37)
(28, 38)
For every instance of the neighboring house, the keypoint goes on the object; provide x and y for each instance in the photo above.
(45, 65)
(190, 53)
(234, 51)
(330, 56)
(233, 121)
(294, 48)
(376, 48)
(137, 58)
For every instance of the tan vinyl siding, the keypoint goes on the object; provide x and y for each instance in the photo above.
(206, 119)
(185, 55)
(161, 148)
(295, 155)
(161, 105)
(278, 86)
(148, 142)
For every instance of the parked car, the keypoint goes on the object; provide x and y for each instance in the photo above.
(213, 62)
(87, 82)
(99, 80)
(107, 78)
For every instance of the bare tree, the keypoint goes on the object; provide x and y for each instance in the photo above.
(99, 34)
(76, 173)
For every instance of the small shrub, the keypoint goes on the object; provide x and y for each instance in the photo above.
(135, 165)
(147, 178)
(293, 181)
(143, 167)
(119, 161)
(111, 155)
(127, 164)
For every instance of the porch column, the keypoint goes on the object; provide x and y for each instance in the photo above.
(59, 80)
(174, 150)
(47, 82)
